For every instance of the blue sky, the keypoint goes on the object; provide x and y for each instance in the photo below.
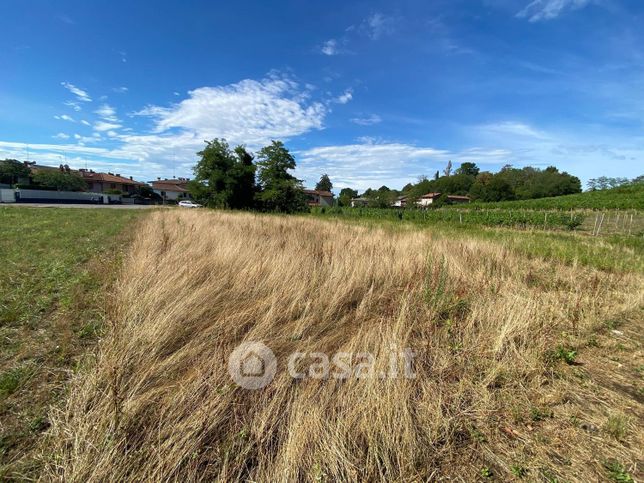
(371, 93)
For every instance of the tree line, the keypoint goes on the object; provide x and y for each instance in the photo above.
(508, 184)
(228, 177)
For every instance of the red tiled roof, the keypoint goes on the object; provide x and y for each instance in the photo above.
(430, 195)
(319, 193)
(167, 186)
(107, 178)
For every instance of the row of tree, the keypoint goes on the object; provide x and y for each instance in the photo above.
(507, 184)
(228, 178)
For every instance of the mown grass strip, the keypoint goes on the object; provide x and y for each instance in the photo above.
(54, 264)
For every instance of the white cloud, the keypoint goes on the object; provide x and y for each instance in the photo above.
(83, 121)
(105, 126)
(367, 121)
(512, 128)
(377, 25)
(107, 113)
(252, 112)
(74, 105)
(61, 135)
(370, 164)
(345, 97)
(330, 47)
(538, 10)
(120, 90)
(80, 94)
(65, 117)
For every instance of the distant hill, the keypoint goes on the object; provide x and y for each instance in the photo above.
(623, 198)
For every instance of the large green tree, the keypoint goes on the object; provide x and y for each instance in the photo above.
(278, 189)
(224, 178)
(469, 169)
(11, 170)
(324, 184)
(346, 195)
(59, 180)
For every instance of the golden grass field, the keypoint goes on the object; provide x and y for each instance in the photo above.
(492, 396)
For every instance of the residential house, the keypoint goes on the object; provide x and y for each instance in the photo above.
(429, 198)
(319, 198)
(400, 202)
(359, 202)
(171, 189)
(109, 182)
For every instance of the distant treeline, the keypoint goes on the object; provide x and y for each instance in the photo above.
(508, 184)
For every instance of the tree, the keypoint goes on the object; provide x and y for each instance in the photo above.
(279, 190)
(381, 198)
(324, 184)
(448, 169)
(495, 189)
(469, 169)
(59, 180)
(346, 195)
(11, 170)
(244, 190)
(604, 183)
(224, 178)
(437, 175)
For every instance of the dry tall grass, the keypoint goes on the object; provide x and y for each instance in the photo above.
(159, 402)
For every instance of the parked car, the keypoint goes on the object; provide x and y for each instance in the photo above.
(189, 204)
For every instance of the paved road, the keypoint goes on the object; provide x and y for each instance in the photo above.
(70, 205)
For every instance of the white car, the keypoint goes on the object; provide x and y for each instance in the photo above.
(189, 204)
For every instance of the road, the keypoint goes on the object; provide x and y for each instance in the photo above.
(71, 205)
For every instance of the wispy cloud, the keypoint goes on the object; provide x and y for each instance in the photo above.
(377, 25)
(65, 117)
(345, 97)
(61, 135)
(513, 128)
(107, 113)
(539, 10)
(330, 47)
(368, 120)
(120, 90)
(105, 126)
(74, 105)
(65, 19)
(80, 94)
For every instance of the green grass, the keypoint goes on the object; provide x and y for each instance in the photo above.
(620, 253)
(54, 263)
(623, 198)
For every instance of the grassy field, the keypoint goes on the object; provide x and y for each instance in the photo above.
(525, 368)
(616, 252)
(622, 198)
(54, 265)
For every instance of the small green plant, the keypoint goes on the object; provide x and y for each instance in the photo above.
(477, 435)
(12, 379)
(486, 472)
(616, 426)
(518, 471)
(539, 414)
(566, 354)
(617, 472)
